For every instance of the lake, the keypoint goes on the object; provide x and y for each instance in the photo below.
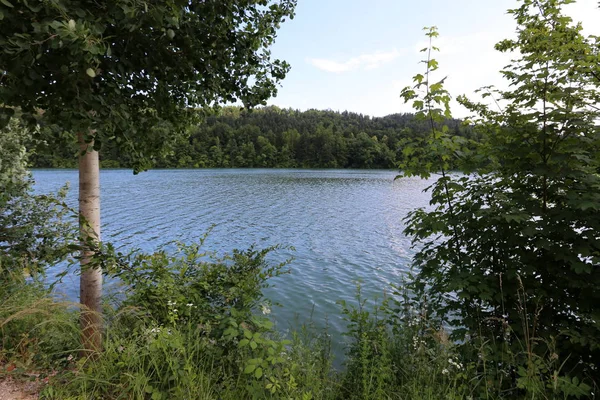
(345, 225)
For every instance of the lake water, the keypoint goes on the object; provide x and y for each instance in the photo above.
(346, 225)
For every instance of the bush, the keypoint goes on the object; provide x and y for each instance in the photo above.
(194, 326)
(34, 229)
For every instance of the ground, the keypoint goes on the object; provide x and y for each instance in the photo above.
(11, 389)
(14, 390)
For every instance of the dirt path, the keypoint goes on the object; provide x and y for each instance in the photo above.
(14, 390)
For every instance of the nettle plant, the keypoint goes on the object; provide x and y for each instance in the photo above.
(512, 251)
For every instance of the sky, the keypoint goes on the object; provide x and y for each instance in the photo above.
(357, 55)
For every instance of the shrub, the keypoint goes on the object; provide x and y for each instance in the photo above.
(34, 229)
(512, 251)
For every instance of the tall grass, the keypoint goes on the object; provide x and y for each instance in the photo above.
(36, 330)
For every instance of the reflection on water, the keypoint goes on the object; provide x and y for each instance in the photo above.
(346, 225)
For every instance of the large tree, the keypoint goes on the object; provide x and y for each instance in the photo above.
(113, 70)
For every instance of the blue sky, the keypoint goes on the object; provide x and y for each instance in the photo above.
(357, 55)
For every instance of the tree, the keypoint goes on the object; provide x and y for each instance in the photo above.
(512, 252)
(110, 71)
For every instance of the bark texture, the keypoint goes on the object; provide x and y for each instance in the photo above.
(89, 225)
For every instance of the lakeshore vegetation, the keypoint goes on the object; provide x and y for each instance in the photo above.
(270, 137)
(503, 302)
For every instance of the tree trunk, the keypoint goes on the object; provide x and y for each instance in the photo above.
(89, 226)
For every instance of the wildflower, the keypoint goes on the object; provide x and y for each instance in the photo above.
(445, 371)
(455, 364)
(417, 343)
(190, 304)
(70, 357)
(265, 309)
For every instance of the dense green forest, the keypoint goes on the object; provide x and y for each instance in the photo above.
(271, 137)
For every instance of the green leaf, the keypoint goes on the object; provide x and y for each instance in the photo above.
(157, 395)
(7, 3)
(230, 332)
(258, 373)
(249, 368)
(91, 73)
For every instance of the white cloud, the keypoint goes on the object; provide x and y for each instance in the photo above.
(467, 58)
(364, 61)
(470, 61)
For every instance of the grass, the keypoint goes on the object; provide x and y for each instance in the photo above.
(166, 349)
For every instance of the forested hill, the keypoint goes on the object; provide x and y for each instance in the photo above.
(271, 137)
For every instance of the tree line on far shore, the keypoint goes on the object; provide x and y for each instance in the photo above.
(272, 137)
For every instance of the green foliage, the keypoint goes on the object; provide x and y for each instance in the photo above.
(397, 350)
(192, 287)
(195, 326)
(114, 70)
(270, 137)
(36, 331)
(157, 348)
(34, 229)
(438, 149)
(512, 252)
(369, 369)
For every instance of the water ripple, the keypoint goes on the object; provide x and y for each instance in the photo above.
(346, 225)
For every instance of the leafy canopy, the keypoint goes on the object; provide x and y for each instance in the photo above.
(115, 69)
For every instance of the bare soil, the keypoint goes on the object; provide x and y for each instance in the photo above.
(11, 389)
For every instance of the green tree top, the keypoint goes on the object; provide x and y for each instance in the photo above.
(115, 69)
